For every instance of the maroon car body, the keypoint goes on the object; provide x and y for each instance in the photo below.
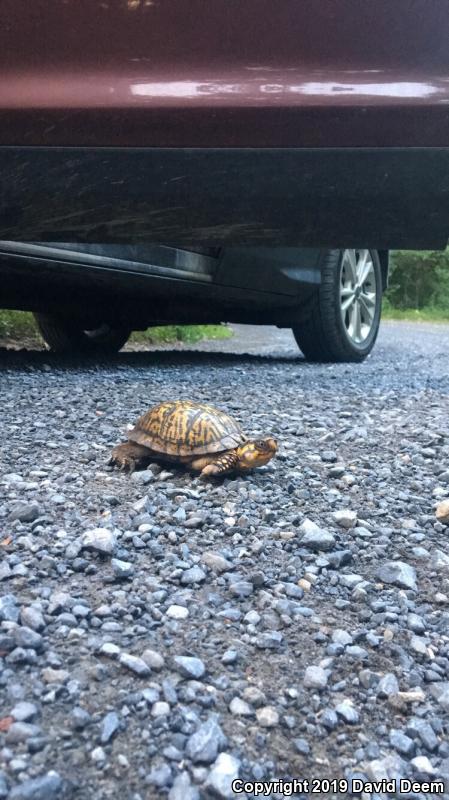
(301, 122)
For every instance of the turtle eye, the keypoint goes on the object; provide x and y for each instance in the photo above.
(261, 444)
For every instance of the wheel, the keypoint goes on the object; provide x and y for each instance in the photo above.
(66, 336)
(343, 316)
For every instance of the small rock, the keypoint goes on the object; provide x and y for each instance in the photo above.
(122, 569)
(401, 699)
(109, 727)
(189, 667)
(102, 540)
(153, 659)
(315, 538)
(216, 562)
(388, 685)
(419, 645)
(80, 718)
(442, 512)
(350, 580)
(203, 745)
(271, 640)
(98, 755)
(25, 512)
(26, 637)
(9, 610)
(110, 650)
(240, 708)
(398, 573)
(339, 558)
(229, 657)
(21, 731)
(5, 571)
(267, 717)
(241, 589)
(415, 623)
(342, 637)
(391, 768)
(315, 678)
(4, 791)
(50, 675)
(345, 517)
(135, 664)
(32, 618)
(144, 476)
(439, 560)
(193, 575)
(177, 612)
(160, 709)
(24, 711)
(423, 765)
(302, 746)
(441, 693)
(159, 776)
(182, 788)
(402, 743)
(46, 787)
(329, 719)
(346, 711)
(222, 775)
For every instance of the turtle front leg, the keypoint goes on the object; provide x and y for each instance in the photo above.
(129, 456)
(218, 465)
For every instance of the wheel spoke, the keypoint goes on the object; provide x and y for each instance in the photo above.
(352, 321)
(368, 302)
(349, 261)
(358, 323)
(361, 256)
(365, 269)
(347, 303)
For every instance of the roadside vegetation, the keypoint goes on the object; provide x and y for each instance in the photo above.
(418, 287)
(20, 325)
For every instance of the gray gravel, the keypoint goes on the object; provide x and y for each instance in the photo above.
(160, 636)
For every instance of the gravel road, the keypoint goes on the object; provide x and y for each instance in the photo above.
(160, 636)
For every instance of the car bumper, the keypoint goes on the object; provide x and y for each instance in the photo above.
(384, 198)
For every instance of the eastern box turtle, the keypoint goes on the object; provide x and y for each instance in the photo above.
(196, 434)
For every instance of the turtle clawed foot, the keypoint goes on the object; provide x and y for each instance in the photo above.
(123, 462)
(126, 464)
(209, 470)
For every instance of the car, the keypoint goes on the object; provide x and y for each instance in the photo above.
(90, 297)
(254, 160)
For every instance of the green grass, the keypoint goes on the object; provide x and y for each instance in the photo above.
(20, 324)
(181, 333)
(429, 314)
(17, 324)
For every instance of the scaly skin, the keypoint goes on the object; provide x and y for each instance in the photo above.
(130, 456)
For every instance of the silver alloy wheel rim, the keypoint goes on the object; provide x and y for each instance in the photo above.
(358, 294)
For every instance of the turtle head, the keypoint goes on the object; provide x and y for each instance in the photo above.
(256, 452)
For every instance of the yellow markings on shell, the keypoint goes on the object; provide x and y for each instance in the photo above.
(180, 425)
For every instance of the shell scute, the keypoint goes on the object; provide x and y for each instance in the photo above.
(183, 428)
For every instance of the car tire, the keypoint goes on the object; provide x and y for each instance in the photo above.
(343, 316)
(65, 336)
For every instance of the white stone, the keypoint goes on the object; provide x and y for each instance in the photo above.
(345, 517)
(267, 716)
(102, 540)
(177, 612)
(220, 779)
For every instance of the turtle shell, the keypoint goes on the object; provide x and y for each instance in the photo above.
(182, 428)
